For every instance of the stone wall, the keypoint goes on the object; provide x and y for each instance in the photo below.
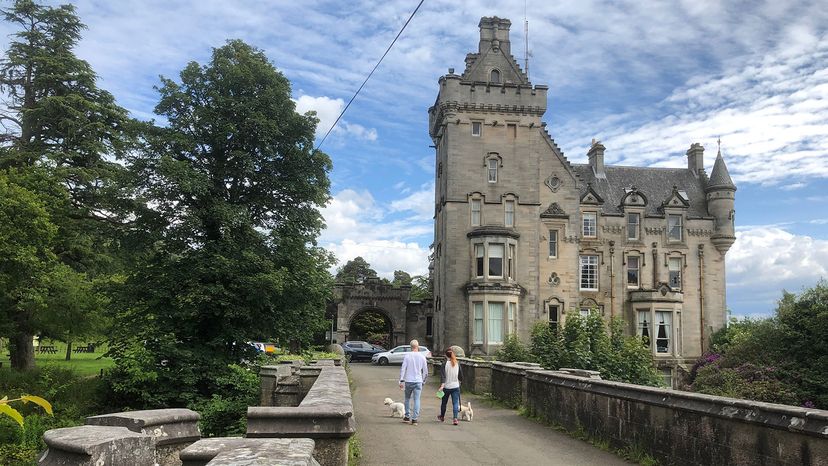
(508, 380)
(315, 430)
(324, 415)
(674, 427)
(477, 375)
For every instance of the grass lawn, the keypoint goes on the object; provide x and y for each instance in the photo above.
(82, 363)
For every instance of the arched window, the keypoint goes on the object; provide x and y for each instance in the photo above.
(495, 77)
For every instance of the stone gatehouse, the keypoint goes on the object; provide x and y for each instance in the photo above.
(406, 319)
(523, 235)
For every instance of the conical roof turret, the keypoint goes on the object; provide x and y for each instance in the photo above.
(720, 177)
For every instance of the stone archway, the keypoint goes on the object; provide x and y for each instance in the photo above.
(364, 326)
(373, 295)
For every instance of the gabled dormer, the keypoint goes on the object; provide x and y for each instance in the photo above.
(634, 198)
(591, 197)
(494, 63)
(678, 198)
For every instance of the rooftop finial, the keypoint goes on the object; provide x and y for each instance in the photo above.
(719, 142)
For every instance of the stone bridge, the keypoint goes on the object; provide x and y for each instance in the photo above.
(316, 416)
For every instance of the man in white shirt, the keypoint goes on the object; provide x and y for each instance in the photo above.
(413, 375)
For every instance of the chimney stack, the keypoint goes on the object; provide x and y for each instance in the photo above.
(695, 158)
(596, 158)
(494, 32)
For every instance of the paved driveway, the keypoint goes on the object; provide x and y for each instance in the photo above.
(496, 436)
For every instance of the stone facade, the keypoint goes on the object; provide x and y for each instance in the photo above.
(522, 235)
(407, 319)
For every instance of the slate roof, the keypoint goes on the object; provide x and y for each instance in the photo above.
(655, 183)
(719, 177)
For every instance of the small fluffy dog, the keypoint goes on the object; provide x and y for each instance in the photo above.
(397, 408)
(466, 412)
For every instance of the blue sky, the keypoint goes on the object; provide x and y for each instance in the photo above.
(647, 78)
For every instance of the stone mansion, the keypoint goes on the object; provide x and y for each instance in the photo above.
(522, 235)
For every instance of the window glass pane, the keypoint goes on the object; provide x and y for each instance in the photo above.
(512, 259)
(478, 255)
(632, 226)
(510, 213)
(632, 271)
(476, 127)
(674, 227)
(475, 212)
(478, 322)
(495, 260)
(495, 323)
(495, 76)
(584, 311)
(590, 226)
(644, 327)
(553, 243)
(664, 321)
(554, 316)
(512, 312)
(675, 272)
(492, 170)
(589, 272)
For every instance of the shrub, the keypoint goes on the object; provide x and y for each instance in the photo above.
(584, 343)
(225, 412)
(513, 350)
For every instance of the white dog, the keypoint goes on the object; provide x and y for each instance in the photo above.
(466, 412)
(397, 408)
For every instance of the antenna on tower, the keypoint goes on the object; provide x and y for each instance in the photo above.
(525, 42)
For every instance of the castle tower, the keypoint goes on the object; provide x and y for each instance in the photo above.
(484, 124)
(721, 199)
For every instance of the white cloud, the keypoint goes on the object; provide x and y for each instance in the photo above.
(384, 256)
(327, 110)
(766, 259)
(771, 113)
(420, 202)
(384, 236)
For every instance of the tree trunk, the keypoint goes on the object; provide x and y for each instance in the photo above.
(21, 351)
(68, 350)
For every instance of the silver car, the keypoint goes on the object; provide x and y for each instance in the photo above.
(396, 355)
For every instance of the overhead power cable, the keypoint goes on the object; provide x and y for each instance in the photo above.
(370, 74)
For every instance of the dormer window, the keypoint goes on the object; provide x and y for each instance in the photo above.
(495, 77)
(674, 229)
(633, 221)
(590, 225)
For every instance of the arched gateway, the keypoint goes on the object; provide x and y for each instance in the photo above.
(406, 319)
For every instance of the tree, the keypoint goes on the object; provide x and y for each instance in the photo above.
(401, 278)
(26, 260)
(354, 271)
(782, 359)
(60, 136)
(420, 288)
(233, 189)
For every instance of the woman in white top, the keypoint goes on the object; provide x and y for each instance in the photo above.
(450, 377)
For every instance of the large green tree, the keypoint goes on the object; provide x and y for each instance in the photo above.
(60, 137)
(233, 188)
(355, 270)
(26, 260)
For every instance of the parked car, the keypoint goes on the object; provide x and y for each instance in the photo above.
(360, 350)
(261, 347)
(396, 355)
